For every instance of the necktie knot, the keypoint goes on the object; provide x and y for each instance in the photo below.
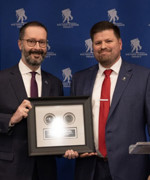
(33, 73)
(107, 72)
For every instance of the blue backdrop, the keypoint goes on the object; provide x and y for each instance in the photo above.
(69, 47)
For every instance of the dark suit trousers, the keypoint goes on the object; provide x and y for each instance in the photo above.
(102, 171)
(43, 170)
(92, 168)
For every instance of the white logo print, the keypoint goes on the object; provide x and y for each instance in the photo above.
(135, 44)
(112, 15)
(48, 47)
(50, 53)
(20, 13)
(21, 17)
(66, 73)
(135, 48)
(66, 14)
(67, 19)
(88, 45)
(89, 49)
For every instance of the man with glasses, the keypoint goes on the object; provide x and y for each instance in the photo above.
(14, 107)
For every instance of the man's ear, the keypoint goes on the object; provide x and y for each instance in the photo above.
(19, 44)
(120, 42)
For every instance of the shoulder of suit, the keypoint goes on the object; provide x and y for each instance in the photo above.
(49, 75)
(10, 69)
(136, 66)
(88, 69)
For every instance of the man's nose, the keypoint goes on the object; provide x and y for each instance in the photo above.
(37, 45)
(103, 45)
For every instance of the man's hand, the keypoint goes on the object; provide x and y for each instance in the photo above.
(70, 154)
(21, 112)
(88, 154)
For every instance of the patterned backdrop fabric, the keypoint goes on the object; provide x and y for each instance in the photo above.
(69, 44)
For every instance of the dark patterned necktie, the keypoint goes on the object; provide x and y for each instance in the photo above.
(34, 88)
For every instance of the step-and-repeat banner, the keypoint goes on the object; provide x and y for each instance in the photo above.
(69, 43)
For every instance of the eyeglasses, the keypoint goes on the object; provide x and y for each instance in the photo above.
(32, 42)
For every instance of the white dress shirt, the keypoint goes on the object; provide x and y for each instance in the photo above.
(97, 93)
(26, 76)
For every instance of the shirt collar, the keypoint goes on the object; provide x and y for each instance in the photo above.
(25, 70)
(115, 67)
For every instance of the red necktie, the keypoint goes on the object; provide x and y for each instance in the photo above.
(104, 110)
(34, 88)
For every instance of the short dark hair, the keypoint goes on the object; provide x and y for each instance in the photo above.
(29, 24)
(104, 25)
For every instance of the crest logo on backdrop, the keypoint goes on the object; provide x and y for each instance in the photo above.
(67, 76)
(136, 49)
(135, 45)
(49, 53)
(21, 18)
(113, 17)
(67, 19)
(88, 49)
(66, 14)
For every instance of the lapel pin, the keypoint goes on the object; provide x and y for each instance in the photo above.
(124, 78)
(46, 82)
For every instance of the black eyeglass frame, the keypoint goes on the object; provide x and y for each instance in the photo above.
(33, 42)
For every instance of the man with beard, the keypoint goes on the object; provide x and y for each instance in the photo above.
(120, 110)
(14, 107)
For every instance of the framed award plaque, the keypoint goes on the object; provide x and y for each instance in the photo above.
(56, 124)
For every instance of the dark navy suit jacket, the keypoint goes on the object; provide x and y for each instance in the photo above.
(129, 113)
(14, 160)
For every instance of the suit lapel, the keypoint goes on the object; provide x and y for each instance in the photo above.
(91, 79)
(17, 84)
(123, 79)
(45, 85)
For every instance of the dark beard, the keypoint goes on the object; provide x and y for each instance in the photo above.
(33, 62)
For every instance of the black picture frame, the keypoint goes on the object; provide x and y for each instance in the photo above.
(77, 131)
